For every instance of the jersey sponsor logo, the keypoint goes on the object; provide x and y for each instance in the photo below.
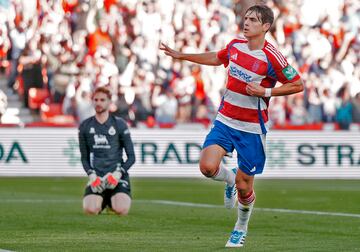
(234, 56)
(92, 130)
(112, 131)
(237, 73)
(289, 72)
(101, 142)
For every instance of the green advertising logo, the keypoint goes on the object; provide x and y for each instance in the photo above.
(277, 154)
(187, 153)
(71, 152)
(15, 153)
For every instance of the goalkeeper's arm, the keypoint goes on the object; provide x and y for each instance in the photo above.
(84, 151)
(129, 150)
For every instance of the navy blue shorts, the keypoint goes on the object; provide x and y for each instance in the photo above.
(249, 146)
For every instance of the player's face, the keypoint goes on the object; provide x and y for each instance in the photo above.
(101, 102)
(252, 25)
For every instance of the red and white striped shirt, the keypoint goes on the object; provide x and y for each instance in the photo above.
(264, 67)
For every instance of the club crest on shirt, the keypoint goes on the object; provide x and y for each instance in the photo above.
(255, 66)
(112, 131)
(92, 130)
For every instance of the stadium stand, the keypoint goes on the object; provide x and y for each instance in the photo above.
(70, 48)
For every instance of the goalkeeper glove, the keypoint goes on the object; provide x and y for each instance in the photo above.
(112, 179)
(95, 183)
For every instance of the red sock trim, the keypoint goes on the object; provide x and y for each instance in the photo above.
(248, 199)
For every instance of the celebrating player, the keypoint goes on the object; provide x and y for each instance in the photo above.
(102, 139)
(254, 67)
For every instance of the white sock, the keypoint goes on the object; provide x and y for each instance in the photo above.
(244, 213)
(224, 174)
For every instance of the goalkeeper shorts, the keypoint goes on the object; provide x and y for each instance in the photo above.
(122, 187)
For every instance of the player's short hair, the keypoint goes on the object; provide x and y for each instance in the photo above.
(103, 90)
(263, 12)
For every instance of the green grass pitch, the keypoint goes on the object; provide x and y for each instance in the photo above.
(44, 214)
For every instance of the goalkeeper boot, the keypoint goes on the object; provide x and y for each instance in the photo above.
(237, 239)
(230, 194)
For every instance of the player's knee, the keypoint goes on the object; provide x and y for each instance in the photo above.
(243, 192)
(243, 188)
(207, 168)
(122, 211)
(92, 210)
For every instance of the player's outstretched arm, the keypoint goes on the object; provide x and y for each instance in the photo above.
(208, 58)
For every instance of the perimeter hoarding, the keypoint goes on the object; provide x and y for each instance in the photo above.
(175, 153)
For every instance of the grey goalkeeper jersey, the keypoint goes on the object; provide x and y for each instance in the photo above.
(102, 145)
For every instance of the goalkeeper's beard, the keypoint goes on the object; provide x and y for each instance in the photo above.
(100, 110)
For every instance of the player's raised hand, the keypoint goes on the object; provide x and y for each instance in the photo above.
(254, 89)
(111, 179)
(170, 52)
(95, 183)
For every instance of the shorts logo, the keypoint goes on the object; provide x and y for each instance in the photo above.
(124, 183)
(253, 169)
(112, 131)
(289, 72)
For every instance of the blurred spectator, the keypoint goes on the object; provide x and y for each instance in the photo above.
(18, 38)
(298, 112)
(140, 112)
(3, 104)
(344, 111)
(356, 108)
(85, 108)
(329, 106)
(30, 61)
(277, 111)
(122, 107)
(166, 105)
(4, 47)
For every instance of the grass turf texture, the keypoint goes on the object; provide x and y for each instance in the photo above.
(44, 214)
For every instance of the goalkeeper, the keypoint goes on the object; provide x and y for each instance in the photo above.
(102, 139)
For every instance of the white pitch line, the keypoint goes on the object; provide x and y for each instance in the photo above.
(279, 210)
(189, 204)
(276, 210)
(39, 201)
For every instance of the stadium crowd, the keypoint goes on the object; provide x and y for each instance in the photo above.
(70, 47)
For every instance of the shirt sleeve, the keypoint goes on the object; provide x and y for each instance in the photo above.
(284, 72)
(224, 54)
(125, 137)
(84, 150)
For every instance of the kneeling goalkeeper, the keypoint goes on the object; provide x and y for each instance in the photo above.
(102, 139)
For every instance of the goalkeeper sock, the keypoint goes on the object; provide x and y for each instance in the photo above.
(223, 174)
(245, 207)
